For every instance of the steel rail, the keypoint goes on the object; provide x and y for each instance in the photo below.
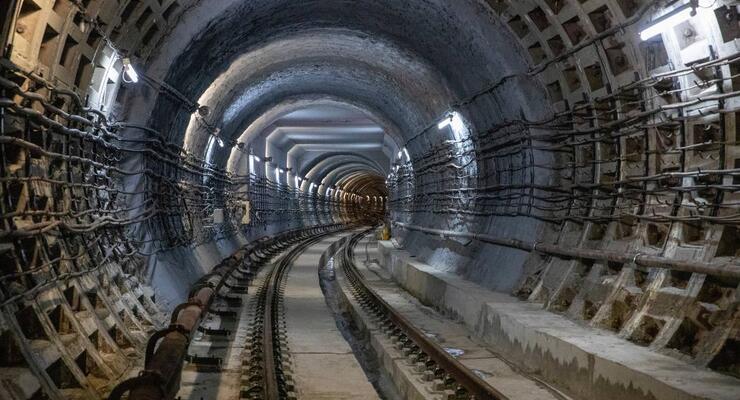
(271, 388)
(167, 349)
(442, 363)
(267, 320)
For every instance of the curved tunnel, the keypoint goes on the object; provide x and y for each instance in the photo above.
(548, 151)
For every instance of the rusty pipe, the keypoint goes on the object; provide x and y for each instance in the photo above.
(167, 348)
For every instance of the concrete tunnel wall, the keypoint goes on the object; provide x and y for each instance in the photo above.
(381, 71)
(374, 74)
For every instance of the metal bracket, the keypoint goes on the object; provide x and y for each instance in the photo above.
(223, 313)
(230, 300)
(215, 332)
(205, 364)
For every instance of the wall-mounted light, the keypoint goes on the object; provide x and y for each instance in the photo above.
(668, 21)
(220, 141)
(129, 71)
(456, 124)
(445, 122)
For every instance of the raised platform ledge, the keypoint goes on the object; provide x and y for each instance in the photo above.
(585, 362)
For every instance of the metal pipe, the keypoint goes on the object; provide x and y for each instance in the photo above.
(167, 348)
(725, 270)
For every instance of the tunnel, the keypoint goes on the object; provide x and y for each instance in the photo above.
(370, 199)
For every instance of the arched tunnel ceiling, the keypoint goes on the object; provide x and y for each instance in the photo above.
(266, 123)
(308, 133)
(400, 69)
(404, 81)
(328, 169)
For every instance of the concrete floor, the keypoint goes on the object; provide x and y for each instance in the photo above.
(324, 366)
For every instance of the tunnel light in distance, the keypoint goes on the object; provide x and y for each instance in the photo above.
(129, 72)
(406, 152)
(667, 21)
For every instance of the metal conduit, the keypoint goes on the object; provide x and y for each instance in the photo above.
(725, 270)
(167, 349)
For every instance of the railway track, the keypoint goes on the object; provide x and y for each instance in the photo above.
(439, 368)
(267, 365)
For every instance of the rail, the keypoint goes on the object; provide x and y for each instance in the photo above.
(438, 362)
(166, 349)
(266, 362)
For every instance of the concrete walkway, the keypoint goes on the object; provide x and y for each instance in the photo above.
(324, 366)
